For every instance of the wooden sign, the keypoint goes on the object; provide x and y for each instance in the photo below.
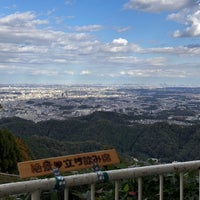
(67, 163)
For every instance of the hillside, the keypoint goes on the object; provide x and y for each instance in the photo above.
(102, 130)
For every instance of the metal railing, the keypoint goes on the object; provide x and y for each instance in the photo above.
(5, 178)
(35, 187)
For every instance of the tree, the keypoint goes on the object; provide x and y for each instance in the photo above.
(24, 150)
(9, 152)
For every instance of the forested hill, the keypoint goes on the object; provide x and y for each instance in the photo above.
(102, 130)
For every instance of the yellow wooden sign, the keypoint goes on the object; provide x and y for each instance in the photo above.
(67, 163)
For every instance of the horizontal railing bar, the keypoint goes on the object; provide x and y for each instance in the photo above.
(92, 178)
(9, 175)
(26, 187)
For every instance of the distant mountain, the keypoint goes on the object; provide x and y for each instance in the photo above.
(102, 130)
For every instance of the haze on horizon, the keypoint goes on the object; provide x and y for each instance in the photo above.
(135, 42)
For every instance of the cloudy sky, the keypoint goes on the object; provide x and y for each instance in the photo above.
(135, 42)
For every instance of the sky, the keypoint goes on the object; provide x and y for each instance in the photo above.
(109, 42)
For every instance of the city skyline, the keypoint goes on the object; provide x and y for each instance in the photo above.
(93, 42)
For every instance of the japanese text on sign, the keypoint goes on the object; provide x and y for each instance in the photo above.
(67, 163)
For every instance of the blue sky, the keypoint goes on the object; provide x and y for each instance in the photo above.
(139, 42)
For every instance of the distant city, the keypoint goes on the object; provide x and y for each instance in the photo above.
(145, 105)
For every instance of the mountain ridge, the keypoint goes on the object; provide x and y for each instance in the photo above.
(101, 130)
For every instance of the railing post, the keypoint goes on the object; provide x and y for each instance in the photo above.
(181, 186)
(92, 192)
(140, 188)
(161, 187)
(199, 184)
(35, 195)
(66, 193)
(116, 190)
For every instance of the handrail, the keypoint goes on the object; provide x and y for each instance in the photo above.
(92, 178)
(6, 178)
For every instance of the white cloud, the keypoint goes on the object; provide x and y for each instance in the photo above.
(89, 28)
(67, 2)
(69, 72)
(39, 50)
(120, 41)
(157, 5)
(35, 45)
(23, 41)
(136, 72)
(169, 73)
(192, 21)
(60, 60)
(61, 19)
(122, 29)
(180, 50)
(157, 61)
(27, 19)
(43, 72)
(120, 45)
(2, 67)
(85, 72)
(180, 16)
(188, 13)
(128, 60)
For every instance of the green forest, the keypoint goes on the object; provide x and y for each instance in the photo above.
(12, 151)
(103, 130)
(24, 140)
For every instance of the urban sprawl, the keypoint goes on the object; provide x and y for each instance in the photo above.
(147, 105)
